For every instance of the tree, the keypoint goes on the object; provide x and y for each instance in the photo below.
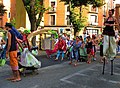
(34, 8)
(78, 20)
(2, 10)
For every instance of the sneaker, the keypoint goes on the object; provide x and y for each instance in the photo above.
(56, 59)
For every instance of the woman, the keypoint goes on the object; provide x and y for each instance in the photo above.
(94, 43)
(89, 47)
(82, 51)
(61, 48)
(75, 51)
(109, 43)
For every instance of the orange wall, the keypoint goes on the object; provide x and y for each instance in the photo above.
(46, 15)
(13, 9)
(100, 16)
(4, 19)
(60, 13)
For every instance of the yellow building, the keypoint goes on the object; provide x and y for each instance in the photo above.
(18, 13)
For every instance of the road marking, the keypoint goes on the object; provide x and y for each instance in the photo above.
(65, 79)
(110, 81)
(36, 86)
(116, 74)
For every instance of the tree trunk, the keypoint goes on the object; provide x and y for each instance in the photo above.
(80, 13)
(33, 24)
(75, 31)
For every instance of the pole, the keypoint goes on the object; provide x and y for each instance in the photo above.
(111, 67)
(103, 65)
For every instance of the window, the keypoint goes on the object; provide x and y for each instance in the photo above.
(9, 15)
(92, 31)
(52, 19)
(93, 18)
(52, 5)
(68, 20)
(93, 9)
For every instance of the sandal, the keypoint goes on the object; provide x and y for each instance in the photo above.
(16, 80)
(70, 63)
(75, 65)
(89, 62)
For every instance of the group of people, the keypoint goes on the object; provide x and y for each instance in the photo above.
(74, 48)
(107, 42)
(86, 45)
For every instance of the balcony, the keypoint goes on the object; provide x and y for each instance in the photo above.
(52, 10)
(93, 23)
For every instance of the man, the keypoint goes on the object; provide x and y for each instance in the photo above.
(12, 51)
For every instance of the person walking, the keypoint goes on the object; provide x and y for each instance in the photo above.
(12, 52)
(61, 48)
(89, 46)
(75, 51)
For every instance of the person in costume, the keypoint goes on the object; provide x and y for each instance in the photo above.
(109, 43)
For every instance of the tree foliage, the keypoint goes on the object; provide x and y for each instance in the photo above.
(35, 10)
(2, 10)
(78, 3)
(78, 20)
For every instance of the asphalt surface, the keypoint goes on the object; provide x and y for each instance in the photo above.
(63, 75)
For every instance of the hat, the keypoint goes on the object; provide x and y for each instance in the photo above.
(8, 25)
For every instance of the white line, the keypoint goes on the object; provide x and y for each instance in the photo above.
(65, 79)
(111, 81)
(36, 86)
(116, 74)
(115, 82)
(83, 75)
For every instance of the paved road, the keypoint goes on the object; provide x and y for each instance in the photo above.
(63, 75)
(66, 76)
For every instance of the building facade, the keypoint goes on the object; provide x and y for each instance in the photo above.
(57, 17)
(6, 17)
(18, 13)
(117, 14)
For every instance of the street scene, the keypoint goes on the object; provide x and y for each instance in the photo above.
(59, 44)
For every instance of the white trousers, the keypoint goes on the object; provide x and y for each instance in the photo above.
(109, 46)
